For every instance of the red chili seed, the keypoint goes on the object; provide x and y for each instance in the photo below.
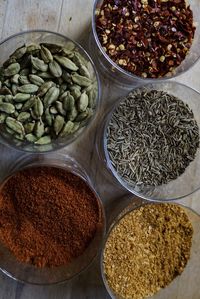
(146, 36)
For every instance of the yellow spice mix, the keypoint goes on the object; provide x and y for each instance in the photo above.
(147, 249)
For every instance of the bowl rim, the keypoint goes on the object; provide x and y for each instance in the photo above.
(33, 160)
(128, 209)
(108, 163)
(88, 123)
(129, 75)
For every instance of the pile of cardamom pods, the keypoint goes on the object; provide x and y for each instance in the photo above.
(47, 91)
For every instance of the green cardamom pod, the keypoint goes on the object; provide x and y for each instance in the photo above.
(18, 106)
(75, 87)
(19, 137)
(23, 116)
(7, 108)
(53, 110)
(82, 116)
(63, 88)
(60, 109)
(58, 124)
(81, 80)
(14, 89)
(24, 72)
(36, 80)
(39, 129)
(15, 114)
(55, 69)
(2, 98)
(12, 70)
(66, 63)
(79, 60)
(43, 140)
(67, 77)
(83, 70)
(68, 53)
(28, 88)
(32, 48)
(7, 83)
(44, 88)
(8, 98)
(19, 53)
(15, 125)
(45, 75)
(33, 71)
(46, 54)
(21, 97)
(29, 103)
(68, 102)
(15, 79)
(51, 96)
(76, 93)
(38, 107)
(92, 95)
(47, 130)
(76, 127)
(2, 118)
(48, 117)
(67, 129)
(82, 103)
(8, 62)
(76, 59)
(72, 114)
(39, 64)
(29, 127)
(30, 137)
(54, 48)
(23, 79)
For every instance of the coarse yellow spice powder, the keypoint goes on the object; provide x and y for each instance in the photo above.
(147, 249)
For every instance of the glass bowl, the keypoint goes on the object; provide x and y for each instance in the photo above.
(7, 47)
(27, 273)
(185, 184)
(127, 79)
(184, 286)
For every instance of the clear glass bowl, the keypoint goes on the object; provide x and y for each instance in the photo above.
(184, 286)
(7, 47)
(185, 184)
(126, 79)
(27, 273)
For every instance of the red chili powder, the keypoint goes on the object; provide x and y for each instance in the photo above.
(48, 216)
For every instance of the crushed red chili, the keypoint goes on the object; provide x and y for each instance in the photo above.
(148, 38)
(48, 216)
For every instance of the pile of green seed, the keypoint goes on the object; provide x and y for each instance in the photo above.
(151, 138)
(47, 91)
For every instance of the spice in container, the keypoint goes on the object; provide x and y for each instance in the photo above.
(145, 37)
(152, 137)
(146, 249)
(47, 91)
(48, 216)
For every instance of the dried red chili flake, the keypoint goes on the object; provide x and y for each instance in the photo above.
(146, 37)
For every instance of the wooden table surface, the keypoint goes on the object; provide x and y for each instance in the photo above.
(73, 19)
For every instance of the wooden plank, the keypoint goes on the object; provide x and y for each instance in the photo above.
(75, 18)
(23, 15)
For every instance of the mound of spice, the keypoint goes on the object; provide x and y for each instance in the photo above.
(145, 37)
(151, 138)
(48, 216)
(147, 249)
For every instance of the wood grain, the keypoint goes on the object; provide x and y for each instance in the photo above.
(73, 19)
